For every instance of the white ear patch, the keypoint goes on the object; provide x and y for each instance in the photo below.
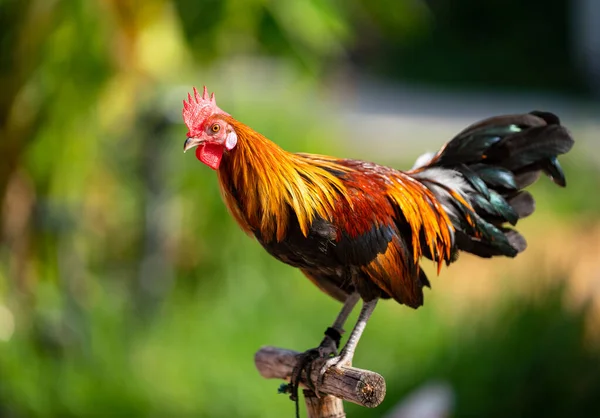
(231, 140)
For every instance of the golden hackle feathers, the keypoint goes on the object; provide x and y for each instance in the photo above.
(268, 180)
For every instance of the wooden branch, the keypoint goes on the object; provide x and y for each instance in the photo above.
(323, 407)
(362, 387)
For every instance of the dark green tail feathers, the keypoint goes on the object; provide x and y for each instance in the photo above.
(489, 164)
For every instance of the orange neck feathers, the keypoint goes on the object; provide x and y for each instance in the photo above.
(261, 184)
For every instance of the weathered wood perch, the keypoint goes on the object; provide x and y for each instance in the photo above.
(362, 387)
(323, 407)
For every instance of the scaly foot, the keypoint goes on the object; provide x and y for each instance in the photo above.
(326, 349)
(336, 362)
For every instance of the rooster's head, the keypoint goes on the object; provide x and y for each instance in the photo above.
(208, 129)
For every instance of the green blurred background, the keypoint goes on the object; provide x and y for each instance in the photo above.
(127, 290)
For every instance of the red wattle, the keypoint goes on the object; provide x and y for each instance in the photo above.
(210, 154)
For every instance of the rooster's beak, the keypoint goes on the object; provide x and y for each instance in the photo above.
(191, 143)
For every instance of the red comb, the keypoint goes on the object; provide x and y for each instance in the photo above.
(197, 109)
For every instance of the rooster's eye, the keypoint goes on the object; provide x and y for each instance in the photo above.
(215, 128)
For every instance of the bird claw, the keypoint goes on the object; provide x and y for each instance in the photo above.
(335, 363)
(306, 361)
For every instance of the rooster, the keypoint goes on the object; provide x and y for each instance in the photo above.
(359, 230)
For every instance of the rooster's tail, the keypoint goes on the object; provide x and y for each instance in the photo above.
(479, 177)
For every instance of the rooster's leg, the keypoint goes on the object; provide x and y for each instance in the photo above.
(330, 343)
(347, 353)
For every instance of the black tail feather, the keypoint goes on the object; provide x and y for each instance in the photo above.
(526, 178)
(498, 157)
(522, 203)
(529, 147)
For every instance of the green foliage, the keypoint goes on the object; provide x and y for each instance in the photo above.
(196, 356)
(308, 32)
(529, 359)
(485, 44)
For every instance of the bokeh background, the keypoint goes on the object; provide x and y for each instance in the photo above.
(127, 290)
